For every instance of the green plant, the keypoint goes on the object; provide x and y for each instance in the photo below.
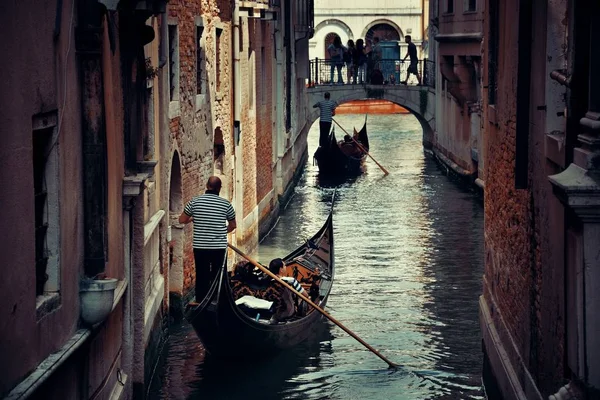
(151, 71)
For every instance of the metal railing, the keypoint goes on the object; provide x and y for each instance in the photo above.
(392, 72)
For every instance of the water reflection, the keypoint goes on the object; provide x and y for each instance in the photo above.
(409, 265)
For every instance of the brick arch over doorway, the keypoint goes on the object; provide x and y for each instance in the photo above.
(382, 22)
(325, 25)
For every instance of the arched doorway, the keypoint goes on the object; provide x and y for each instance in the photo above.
(389, 39)
(385, 33)
(329, 40)
(175, 244)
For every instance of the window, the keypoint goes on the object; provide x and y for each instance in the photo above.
(199, 57)
(173, 63)
(449, 6)
(470, 5)
(46, 213)
(493, 49)
(218, 59)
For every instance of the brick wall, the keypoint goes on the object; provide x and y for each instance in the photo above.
(524, 228)
(264, 124)
(507, 228)
(191, 131)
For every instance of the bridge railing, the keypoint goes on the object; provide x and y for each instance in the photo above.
(325, 72)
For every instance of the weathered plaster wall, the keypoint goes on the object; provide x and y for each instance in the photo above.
(351, 19)
(34, 83)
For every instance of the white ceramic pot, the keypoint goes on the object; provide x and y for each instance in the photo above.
(97, 297)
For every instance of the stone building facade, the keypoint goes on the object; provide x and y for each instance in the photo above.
(118, 112)
(235, 99)
(538, 310)
(355, 19)
(456, 30)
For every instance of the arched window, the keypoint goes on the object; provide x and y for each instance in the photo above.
(329, 40)
(384, 32)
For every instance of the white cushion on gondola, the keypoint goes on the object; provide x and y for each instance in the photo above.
(254, 303)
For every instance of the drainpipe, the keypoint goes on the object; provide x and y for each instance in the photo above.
(89, 50)
(288, 62)
(238, 174)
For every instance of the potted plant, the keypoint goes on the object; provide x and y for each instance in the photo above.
(96, 295)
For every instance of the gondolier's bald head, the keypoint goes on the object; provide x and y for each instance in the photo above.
(275, 265)
(214, 182)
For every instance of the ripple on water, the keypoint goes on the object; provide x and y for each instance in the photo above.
(409, 264)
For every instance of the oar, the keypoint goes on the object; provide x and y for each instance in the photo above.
(313, 305)
(360, 146)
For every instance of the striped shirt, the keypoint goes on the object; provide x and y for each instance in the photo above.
(209, 213)
(293, 283)
(326, 107)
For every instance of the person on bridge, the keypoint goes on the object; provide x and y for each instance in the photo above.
(360, 60)
(327, 108)
(209, 212)
(413, 68)
(336, 53)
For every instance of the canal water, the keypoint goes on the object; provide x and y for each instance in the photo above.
(409, 262)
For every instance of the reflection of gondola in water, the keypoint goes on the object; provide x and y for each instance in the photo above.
(248, 331)
(343, 157)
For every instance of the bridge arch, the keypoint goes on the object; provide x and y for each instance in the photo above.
(419, 100)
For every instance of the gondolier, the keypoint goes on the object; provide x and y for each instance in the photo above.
(327, 109)
(228, 330)
(213, 218)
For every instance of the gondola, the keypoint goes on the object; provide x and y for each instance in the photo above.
(235, 331)
(342, 158)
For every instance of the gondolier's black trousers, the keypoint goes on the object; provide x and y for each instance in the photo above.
(324, 128)
(208, 262)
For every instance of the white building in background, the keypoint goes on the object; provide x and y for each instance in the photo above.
(390, 20)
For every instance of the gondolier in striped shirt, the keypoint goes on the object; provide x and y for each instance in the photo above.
(213, 218)
(327, 108)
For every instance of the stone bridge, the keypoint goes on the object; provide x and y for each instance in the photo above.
(419, 100)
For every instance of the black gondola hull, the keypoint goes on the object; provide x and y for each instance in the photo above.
(332, 161)
(226, 331)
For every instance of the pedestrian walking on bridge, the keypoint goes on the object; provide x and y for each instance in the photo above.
(413, 68)
(213, 218)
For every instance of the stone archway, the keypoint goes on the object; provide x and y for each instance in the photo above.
(384, 31)
(419, 100)
(318, 43)
(383, 25)
(175, 240)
